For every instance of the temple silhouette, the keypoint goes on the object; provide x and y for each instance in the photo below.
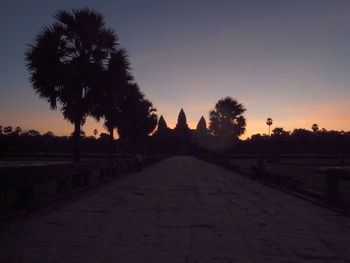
(181, 139)
(181, 130)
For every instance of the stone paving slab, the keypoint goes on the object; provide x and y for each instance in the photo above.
(182, 210)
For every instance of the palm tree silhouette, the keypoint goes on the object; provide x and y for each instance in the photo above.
(66, 64)
(117, 78)
(315, 128)
(116, 82)
(269, 123)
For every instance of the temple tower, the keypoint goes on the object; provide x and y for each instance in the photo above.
(202, 127)
(181, 126)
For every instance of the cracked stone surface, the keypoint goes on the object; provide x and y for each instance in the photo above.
(181, 210)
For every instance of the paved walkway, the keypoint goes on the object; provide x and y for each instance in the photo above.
(182, 210)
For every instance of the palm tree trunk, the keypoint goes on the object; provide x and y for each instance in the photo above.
(76, 141)
(111, 143)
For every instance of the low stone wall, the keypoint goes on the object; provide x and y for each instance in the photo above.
(31, 187)
(333, 176)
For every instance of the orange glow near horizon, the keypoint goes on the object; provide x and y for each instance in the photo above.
(330, 115)
(284, 61)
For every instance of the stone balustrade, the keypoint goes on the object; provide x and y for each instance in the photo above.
(29, 187)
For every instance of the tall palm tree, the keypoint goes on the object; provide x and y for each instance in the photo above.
(66, 63)
(116, 81)
(118, 77)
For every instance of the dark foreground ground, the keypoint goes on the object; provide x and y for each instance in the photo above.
(181, 210)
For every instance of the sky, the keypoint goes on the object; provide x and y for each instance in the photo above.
(288, 60)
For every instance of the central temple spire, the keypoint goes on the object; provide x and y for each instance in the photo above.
(181, 122)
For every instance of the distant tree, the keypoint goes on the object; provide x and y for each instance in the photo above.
(49, 134)
(226, 119)
(95, 132)
(279, 137)
(66, 63)
(269, 123)
(301, 132)
(82, 134)
(104, 136)
(202, 127)
(259, 142)
(1, 130)
(7, 130)
(258, 137)
(18, 130)
(314, 127)
(147, 117)
(32, 133)
(279, 132)
(137, 117)
(301, 136)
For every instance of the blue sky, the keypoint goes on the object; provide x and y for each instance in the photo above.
(288, 60)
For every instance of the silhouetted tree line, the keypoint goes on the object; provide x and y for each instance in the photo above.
(227, 123)
(174, 141)
(32, 141)
(298, 141)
